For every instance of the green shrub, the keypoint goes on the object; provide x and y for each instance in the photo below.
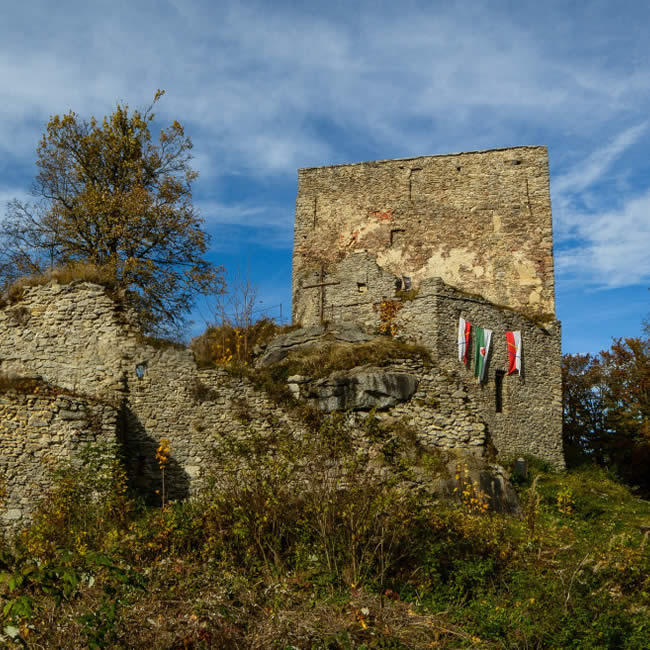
(303, 540)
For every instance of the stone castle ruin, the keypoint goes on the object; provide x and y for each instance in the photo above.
(463, 235)
(480, 221)
(440, 238)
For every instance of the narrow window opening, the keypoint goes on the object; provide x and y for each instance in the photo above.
(406, 282)
(362, 287)
(398, 284)
(396, 236)
(140, 369)
(498, 391)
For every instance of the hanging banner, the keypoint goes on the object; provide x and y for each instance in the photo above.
(482, 339)
(514, 352)
(464, 328)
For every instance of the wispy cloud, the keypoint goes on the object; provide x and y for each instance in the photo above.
(8, 194)
(591, 170)
(246, 214)
(612, 249)
(601, 246)
(263, 90)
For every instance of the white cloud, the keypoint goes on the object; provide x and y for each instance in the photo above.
(602, 247)
(263, 90)
(264, 87)
(246, 214)
(611, 249)
(591, 170)
(240, 225)
(8, 194)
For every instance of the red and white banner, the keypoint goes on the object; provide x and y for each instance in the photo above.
(514, 352)
(464, 328)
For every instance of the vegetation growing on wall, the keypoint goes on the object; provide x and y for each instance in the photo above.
(325, 359)
(229, 344)
(74, 272)
(113, 198)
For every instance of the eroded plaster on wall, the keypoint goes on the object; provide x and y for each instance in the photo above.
(481, 221)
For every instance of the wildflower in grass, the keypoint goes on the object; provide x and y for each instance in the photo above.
(163, 454)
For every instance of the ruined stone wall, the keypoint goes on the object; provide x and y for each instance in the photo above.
(195, 410)
(440, 413)
(39, 431)
(481, 221)
(70, 335)
(109, 382)
(77, 338)
(528, 418)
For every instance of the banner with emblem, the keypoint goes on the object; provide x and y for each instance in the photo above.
(464, 328)
(482, 339)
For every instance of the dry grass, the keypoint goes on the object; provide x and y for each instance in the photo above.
(77, 272)
(323, 360)
(226, 344)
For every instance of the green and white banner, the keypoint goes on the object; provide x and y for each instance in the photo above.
(482, 339)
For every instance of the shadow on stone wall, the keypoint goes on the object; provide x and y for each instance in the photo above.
(144, 474)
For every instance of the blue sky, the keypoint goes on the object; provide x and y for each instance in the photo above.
(264, 88)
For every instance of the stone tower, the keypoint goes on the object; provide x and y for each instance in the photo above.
(480, 221)
(465, 235)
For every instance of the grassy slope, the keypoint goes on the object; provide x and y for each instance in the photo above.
(252, 566)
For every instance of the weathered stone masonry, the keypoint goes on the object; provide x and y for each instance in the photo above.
(480, 221)
(37, 431)
(77, 339)
(102, 383)
(465, 234)
(470, 232)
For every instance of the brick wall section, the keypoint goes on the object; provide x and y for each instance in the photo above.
(38, 432)
(481, 221)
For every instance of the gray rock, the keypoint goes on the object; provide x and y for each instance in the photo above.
(12, 515)
(307, 337)
(72, 415)
(362, 389)
(349, 333)
(298, 379)
(488, 479)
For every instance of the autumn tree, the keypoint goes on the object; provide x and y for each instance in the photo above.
(584, 424)
(112, 197)
(607, 408)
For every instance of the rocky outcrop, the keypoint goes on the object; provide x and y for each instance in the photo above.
(471, 481)
(359, 389)
(308, 337)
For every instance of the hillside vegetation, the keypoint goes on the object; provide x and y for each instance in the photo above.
(271, 558)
